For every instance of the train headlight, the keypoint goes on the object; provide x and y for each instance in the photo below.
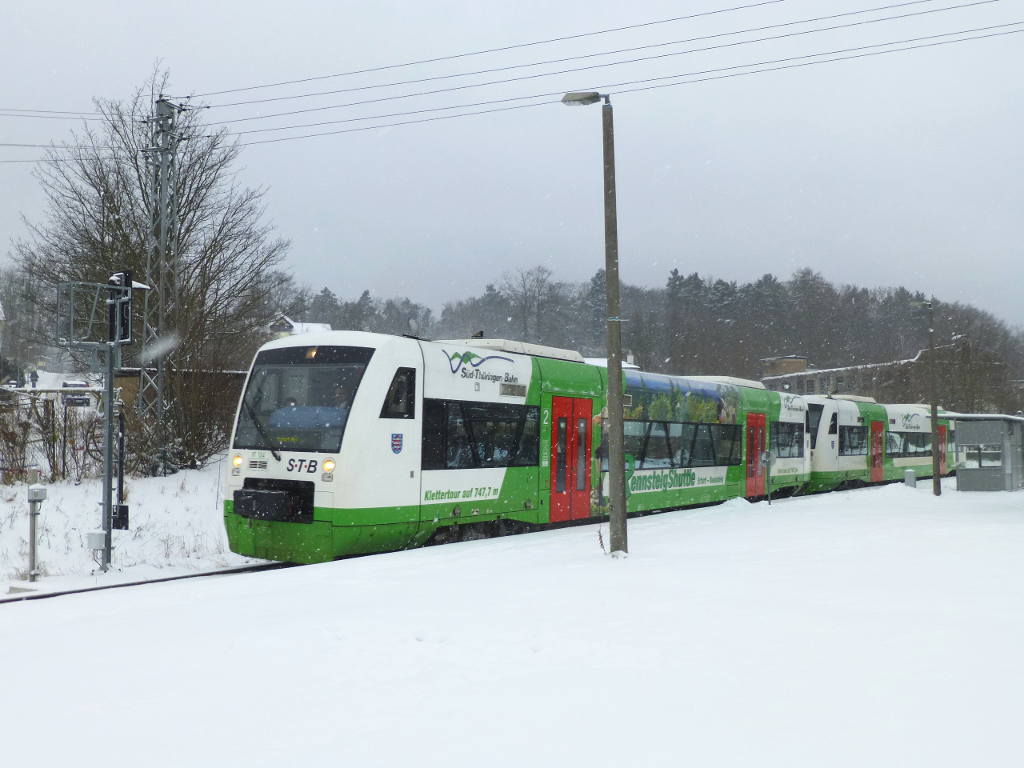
(329, 465)
(236, 461)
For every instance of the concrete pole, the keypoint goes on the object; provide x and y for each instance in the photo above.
(616, 440)
(933, 374)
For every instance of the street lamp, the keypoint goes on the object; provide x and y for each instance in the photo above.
(933, 385)
(932, 375)
(616, 451)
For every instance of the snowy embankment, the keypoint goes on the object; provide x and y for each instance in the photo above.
(176, 527)
(880, 627)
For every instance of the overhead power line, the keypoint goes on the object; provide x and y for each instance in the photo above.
(51, 117)
(786, 64)
(48, 111)
(641, 86)
(52, 146)
(838, 58)
(79, 115)
(52, 159)
(435, 91)
(499, 49)
(492, 70)
(712, 75)
(36, 160)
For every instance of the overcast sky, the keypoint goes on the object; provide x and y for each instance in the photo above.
(902, 168)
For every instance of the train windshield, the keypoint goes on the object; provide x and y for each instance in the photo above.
(298, 398)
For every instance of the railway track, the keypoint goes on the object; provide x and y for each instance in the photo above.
(22, 597)
(468, 532)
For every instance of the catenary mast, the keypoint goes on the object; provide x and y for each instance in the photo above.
(160, 304)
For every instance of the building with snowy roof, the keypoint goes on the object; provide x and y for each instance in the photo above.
(283, 326)
(893, 381)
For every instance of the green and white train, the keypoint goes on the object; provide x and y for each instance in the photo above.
(351, 443)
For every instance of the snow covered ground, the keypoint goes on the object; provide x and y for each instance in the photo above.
(176, 528)
(881, 627)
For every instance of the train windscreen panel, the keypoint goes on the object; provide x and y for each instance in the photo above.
(298, 398)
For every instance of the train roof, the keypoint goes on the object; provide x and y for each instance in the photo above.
(521, 348)
(728, 380)
(602, 362)
(980, 416)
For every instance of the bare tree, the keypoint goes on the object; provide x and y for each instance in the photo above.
(539, 305)
(98, 222)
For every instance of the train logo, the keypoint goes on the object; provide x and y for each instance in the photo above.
(458, 360)
(909, 420)
(396, 442)
(793, 403)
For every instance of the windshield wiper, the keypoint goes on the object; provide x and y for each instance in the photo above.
(259, 428)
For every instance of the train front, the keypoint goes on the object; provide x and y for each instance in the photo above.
(292, 484)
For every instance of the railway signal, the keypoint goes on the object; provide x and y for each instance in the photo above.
(81, 326)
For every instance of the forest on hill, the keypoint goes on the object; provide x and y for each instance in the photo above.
(702, 325)
(693, 324)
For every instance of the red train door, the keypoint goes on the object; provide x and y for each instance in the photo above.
(942, 449)
(755, 447)
(877, 442)
(570, 458)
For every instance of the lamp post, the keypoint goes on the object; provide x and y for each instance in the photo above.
(936, 464)
(616, 452)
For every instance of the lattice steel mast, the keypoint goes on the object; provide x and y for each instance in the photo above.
(160, 304)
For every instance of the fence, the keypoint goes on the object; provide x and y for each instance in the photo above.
(50, 432)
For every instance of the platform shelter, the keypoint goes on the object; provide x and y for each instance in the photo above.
(990, 452)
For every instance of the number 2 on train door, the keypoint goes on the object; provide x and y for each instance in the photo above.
(570, 458)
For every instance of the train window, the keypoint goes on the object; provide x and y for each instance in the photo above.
(561, 453)
(703, 447)
(787, 439)
(464, 435)
(634, 437)
(680, 438)
(458, 451)
(853, 441)
(814, 411)
(581, 453)
(832, 425)
(664, 445)
(658, 454)
(726, 437)
(910, 444)
(400, 402)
